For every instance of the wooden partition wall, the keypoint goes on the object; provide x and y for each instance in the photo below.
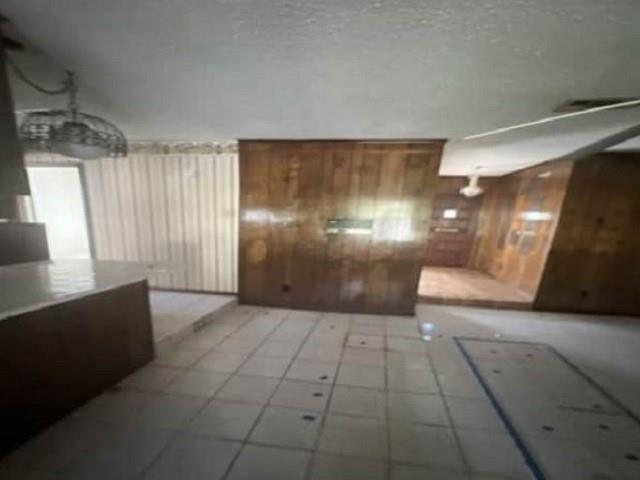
(335, 225)
(519, 217)
(594, 261)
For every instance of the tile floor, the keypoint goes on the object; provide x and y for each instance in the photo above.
(278, 394)
(174, 314)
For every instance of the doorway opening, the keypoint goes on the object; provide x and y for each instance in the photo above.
(57, 200)
(490, 250)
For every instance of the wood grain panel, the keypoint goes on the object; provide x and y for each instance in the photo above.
(517, 224)
(288, 191)
(451, 239)
(594, 261)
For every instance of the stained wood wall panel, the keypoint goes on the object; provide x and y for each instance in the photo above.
(288, 191)
(518, 220)
(594, 261)
(451, 240)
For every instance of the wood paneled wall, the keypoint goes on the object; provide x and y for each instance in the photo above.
(288, 192)
(518, 221)
(594, 261)
(451, 240)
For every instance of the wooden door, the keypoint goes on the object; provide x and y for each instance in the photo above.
(454, 220)
(334, 225)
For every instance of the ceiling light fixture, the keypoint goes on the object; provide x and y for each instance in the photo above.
(472, 189)
(68, 132)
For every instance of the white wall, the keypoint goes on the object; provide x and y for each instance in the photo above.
(173, 207)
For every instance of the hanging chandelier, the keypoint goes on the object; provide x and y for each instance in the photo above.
(68, 132)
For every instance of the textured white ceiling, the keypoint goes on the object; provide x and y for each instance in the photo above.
(206, 69)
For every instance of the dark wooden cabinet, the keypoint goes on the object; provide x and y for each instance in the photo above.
(335, 225)
(23, 242)
(56, 358)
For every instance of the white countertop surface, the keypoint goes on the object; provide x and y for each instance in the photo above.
(25, 287)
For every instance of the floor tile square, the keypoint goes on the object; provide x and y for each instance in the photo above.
(406, 472)
(331, 467)
(244, 388)
(403, 344)
(370, 330)
(418, 381)
(224, 362)
(287, 427)
(361, 376)
(571, 459)
(320, 352)
(266, 463)
(169, 411)
(225, 420)
(473, 414)
(278, 349)
(200, 384)
(396, 330)
(460, 385)
(492, 453)
(354, 436)
(310, 371)
(375, 342)
(420, 444)
(264, 366)
(178, 357)
(243, 345)
(408, 360)
(417, 408)
(305, 395)
(358, 401)
(363, 356)
(116, 405)
(191, 457)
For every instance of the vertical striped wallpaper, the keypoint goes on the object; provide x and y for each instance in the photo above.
(176, 211)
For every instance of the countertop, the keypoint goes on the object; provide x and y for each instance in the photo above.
(25, 287)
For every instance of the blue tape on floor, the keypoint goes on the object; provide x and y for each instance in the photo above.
(618, 403)
(504, 417)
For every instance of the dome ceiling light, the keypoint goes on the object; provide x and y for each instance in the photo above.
(68, 132)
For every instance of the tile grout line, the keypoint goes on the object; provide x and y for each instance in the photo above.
(454, 430)
(385, 349)
(181, 371)
(180, 431)
(266, 404)
(520, 444)
(325, 411)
